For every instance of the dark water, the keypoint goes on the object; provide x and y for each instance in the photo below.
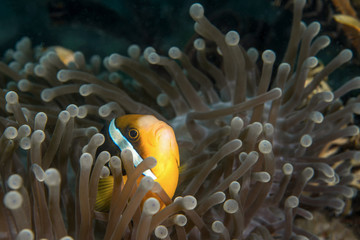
(103, 27)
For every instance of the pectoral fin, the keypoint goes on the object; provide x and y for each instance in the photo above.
(105, 190)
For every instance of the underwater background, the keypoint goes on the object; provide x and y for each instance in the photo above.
(103, 27)
(113, 25)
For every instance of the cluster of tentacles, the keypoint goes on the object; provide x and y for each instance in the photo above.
(257, 145)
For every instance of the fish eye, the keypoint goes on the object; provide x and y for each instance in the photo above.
(133, 133)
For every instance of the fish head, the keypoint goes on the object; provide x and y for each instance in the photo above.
(151, 137)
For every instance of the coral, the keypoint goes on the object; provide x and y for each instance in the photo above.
(349, 22)
(327, 228)
(251, 140)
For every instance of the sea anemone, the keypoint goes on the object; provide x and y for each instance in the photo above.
(259, 147)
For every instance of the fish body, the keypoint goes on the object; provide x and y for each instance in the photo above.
(145, 136)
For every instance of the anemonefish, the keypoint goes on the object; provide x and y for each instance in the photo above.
(145, 136)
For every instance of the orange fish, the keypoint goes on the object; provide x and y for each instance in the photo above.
(145, 136)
